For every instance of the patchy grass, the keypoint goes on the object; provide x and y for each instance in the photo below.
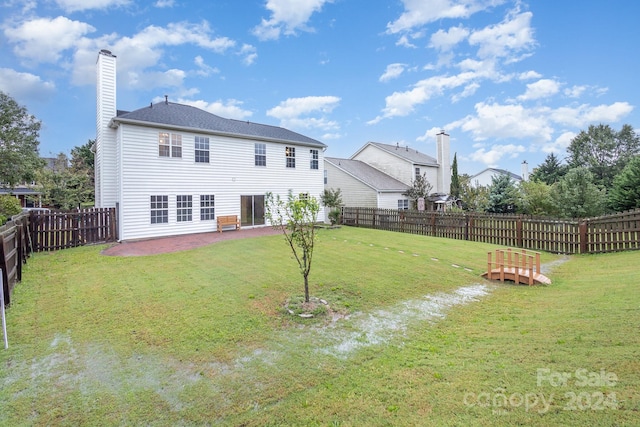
(199, 337)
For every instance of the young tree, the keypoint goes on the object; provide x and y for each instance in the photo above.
(82, 165)
(474, 197)
(603, 151)
(503, 195)
(550, 171)
(454, 190)
(62, 187)
(332, 199)
(19, 132)
(421, 188)
(625, 193)
(296, 218)
(576, 196)
(536, 198)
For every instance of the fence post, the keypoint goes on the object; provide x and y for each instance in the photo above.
(4, 319)
(519, 232)
(583, 228)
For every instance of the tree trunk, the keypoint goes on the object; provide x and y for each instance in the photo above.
(306, 288)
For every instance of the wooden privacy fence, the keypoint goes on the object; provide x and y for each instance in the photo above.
(14, 251)
(51, 231)
(617, 232)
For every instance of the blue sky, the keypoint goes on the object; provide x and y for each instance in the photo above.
(508, 80)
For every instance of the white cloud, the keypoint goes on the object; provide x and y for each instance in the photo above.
(404, 41)
(543, 88)
(79, 5)
(511, 36)
(529, 75)
(446, 40)
(230, 109)
(24, 85)
(44, 39)
(164, 3)
(249, 54)
(291, 112)
(393, 71)
(560, 144)
(492, 156)
(585, 114)
(420, 12)
(287, 17)
(204, 70)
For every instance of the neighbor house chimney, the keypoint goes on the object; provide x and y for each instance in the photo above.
(105, 159)
(525, 171)
(444, 163)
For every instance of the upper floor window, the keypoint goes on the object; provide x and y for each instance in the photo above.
(159, 209)
(290, 155)
(169, 145)
(326, 177)
(184, 209)
(202, 149)
(417, 173)
(260, 154)
(314, 159)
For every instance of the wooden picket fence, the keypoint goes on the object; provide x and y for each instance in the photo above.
(39, 231)
(610, 233)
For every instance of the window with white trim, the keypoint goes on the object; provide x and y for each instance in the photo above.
(403, 204)
(260, 154)
(202, 149)
(169, 145)
(314, 159)
(290, 155)
(184, 208)
(417, 173)
(207, 207)
(159, 209)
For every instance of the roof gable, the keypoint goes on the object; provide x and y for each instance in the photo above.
(185, 116)
(496, 171)
(410, 155)
(368, 175)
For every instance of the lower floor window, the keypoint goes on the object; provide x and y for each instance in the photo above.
(207, 207)
(403, 204)
(184, 207)
(159, 209)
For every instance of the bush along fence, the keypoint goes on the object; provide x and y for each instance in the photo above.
(610, 233)
(39, 231)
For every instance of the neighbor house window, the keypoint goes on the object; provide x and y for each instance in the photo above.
(202, 149)
(326, 177)
(159, 209)
(184, 208)
(314, 159)
(403, 204)
(207, 207)
(290, 154)
(260, 154)
(417, 173)
(303, 196)
(169, 145)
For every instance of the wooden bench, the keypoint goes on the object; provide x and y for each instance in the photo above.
(228, 220)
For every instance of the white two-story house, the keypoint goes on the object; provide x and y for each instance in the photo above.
(171, 169)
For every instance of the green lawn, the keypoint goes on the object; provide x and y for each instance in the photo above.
(199, 337)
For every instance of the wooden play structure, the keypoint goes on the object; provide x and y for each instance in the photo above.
(516, 265)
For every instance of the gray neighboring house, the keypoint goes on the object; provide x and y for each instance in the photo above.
(363, 185)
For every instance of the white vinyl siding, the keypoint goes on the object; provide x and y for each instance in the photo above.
(228, 175)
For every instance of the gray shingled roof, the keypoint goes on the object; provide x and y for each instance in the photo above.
(407, 153)
(369, 175)
(188, 117)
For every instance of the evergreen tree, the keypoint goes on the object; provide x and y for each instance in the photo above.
(550, 171)
(577, 196)
(625, 193)
(503, 195)
(455, 179)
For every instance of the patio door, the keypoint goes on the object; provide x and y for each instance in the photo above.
(251, 210)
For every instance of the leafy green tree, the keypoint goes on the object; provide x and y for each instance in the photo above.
(62, 187)
(576, 195)
(455, 190)
(421, 188)
(296, 218)
(333, 200)
(474, 197)
(9, 206)
(604, 151)
(536, 198)
(82, 164)
(19, 132)
(550, 171)
(625, 193)
(503, 195)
